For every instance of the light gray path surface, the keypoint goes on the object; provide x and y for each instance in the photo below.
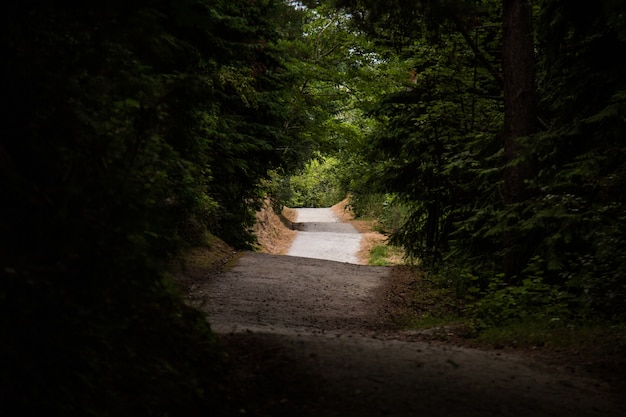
(340, 241)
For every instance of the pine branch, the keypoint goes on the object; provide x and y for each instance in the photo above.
(479, 54)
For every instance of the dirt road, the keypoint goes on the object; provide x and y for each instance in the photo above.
(323, 236)
(308, 337)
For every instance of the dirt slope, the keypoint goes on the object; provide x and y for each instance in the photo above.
(274, 232)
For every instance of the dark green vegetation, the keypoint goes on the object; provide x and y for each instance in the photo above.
(526, 216)
(130, 130)
(488, 138)
(134, 129)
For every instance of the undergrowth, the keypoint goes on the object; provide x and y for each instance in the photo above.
(589, 337)
(385, 255)
(532, 315)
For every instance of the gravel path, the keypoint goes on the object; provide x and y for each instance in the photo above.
(322, 236)
(292, 295)
(308, 337)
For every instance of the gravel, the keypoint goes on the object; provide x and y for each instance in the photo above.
(322, 236)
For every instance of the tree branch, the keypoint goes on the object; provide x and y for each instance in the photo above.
(479, 54)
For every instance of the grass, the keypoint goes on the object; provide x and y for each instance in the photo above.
(590, 337)
(384, 255)
(378, 255)
(426, 321)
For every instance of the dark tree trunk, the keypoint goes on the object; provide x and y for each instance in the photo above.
(519, 113)
(432, 227)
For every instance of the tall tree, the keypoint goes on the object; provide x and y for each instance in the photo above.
(454, 100)
(555, 196)
(519, 113)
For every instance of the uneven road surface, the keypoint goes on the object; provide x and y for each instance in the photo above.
(308, 338)
(323, 236)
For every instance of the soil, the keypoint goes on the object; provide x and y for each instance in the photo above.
(312, 337)
(275, 232)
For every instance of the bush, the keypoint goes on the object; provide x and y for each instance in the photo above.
(318, 185)
(532, 300)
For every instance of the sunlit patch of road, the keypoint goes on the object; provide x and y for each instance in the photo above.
(322, 236)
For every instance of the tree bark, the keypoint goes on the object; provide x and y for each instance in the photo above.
(519, 113)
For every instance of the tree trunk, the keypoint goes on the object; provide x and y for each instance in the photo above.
(519, 113)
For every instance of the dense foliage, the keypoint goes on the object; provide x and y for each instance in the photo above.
(577, 215)
(493, 209)
(130, 129)
(318, 185)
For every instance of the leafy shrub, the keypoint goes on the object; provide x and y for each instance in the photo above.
(532, 300)
(318, 185)
(388, 211)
